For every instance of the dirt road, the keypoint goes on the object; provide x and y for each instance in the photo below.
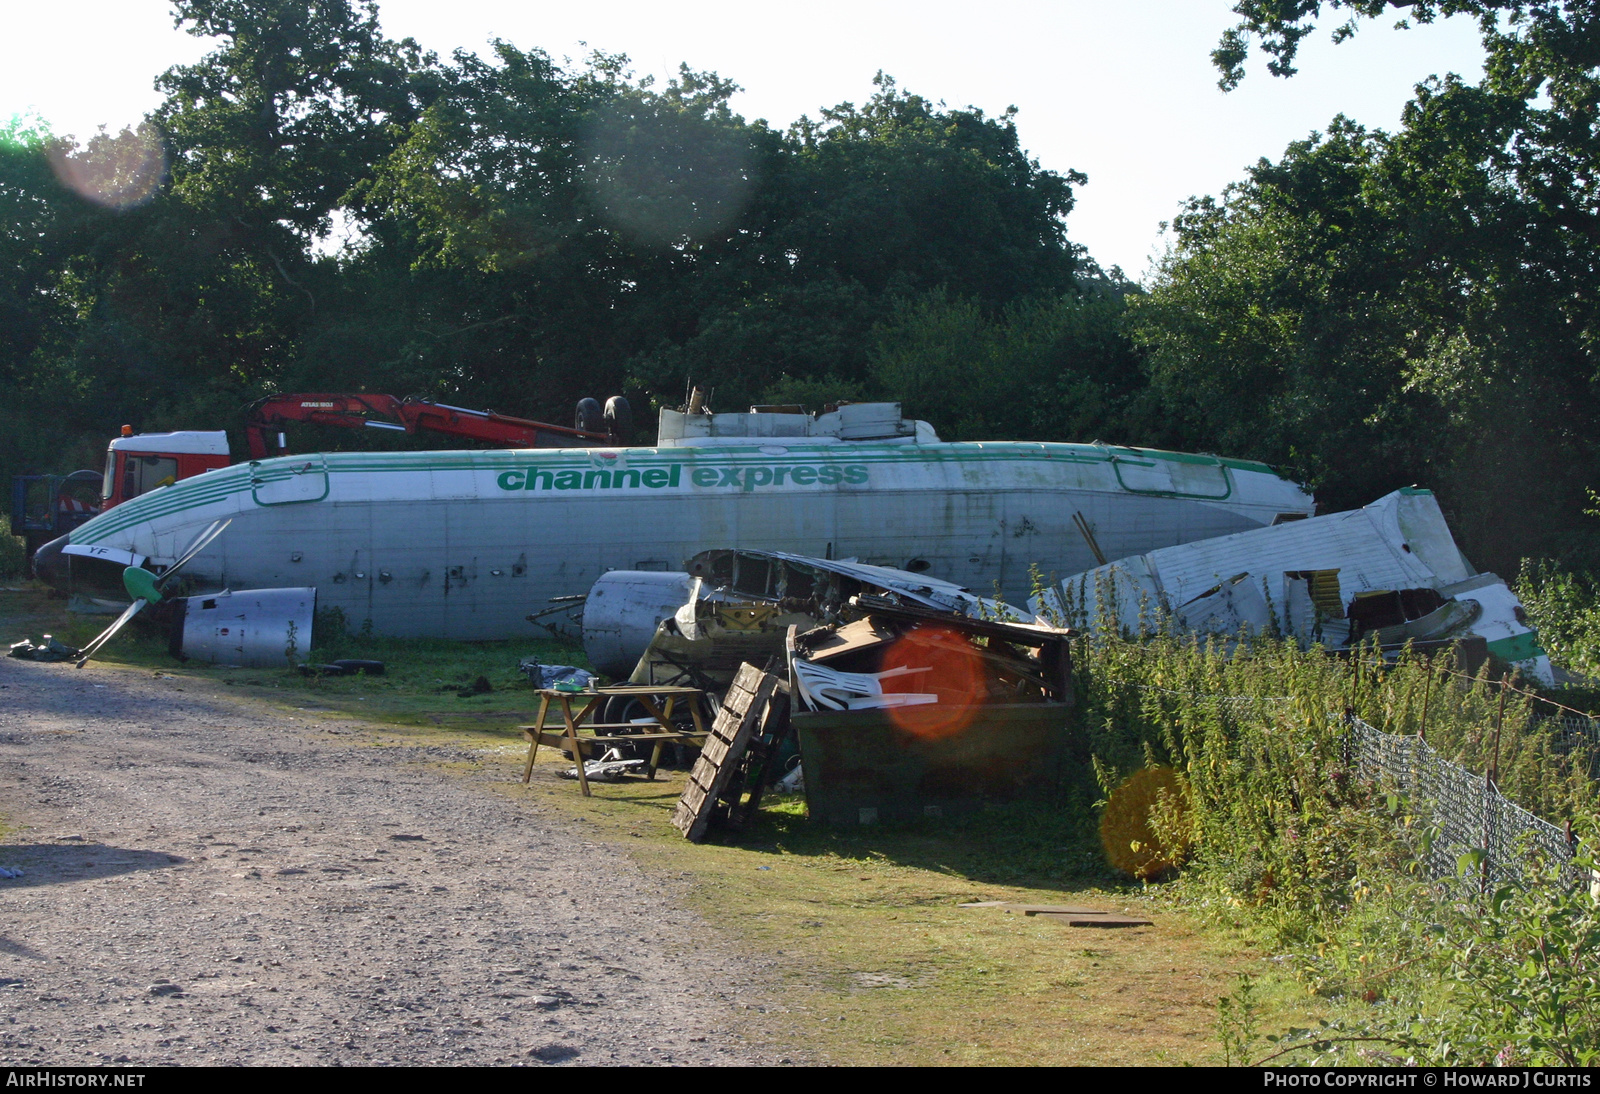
(213, 880)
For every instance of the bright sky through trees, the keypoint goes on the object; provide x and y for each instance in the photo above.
(1123, 91)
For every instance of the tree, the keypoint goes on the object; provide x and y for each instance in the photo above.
(32, 209)
(1048, 368)
(858, 210)
(280, 123)
(524, 234)
(1529, 41)
(1376, 309)
(625, 236)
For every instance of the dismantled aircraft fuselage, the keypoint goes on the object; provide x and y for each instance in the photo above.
(1389, 572)
(465, 544)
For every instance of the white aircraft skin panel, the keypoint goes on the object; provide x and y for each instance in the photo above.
(1120, 522)
(1354, 543)
(551, 521)
(1421, 524)
(1369, 548)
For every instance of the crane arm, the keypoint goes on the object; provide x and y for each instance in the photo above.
(486, 425)
(352, 411)
(362, 411)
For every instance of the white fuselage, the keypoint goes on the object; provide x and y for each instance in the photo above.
(465, 544)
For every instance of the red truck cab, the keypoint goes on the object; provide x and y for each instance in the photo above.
(137, 464)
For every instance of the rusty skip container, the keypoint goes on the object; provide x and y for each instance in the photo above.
(862, 768)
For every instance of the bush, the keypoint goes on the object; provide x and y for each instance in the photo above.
(1527, 982)
(1280, 820)
(1565, 608)
(1289, 839)
(13, 552)
(1520, 980)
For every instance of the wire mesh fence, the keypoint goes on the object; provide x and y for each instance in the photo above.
(1568, 730)
(1472, 831)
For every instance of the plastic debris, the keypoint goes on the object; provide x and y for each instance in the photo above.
(794, 782)
(346, 667)
(47, 650)
(607, 771)
(10, 871)
(559, 677)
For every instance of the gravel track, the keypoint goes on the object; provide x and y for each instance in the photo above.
(209, 879)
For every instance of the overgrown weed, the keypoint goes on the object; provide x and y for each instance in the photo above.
(1297, 848)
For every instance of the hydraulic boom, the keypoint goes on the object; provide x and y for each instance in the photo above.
(357, 411)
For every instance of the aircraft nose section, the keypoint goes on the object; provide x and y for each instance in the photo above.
(50, 565)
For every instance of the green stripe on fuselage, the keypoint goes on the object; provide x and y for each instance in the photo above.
(206, 489)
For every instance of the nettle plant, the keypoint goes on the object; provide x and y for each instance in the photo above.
(1280, 824)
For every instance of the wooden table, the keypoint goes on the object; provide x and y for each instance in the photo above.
(598, 739)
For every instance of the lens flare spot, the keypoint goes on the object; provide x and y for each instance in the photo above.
(665, 177)
(118, 171)
(1145, 828)
(941, 662)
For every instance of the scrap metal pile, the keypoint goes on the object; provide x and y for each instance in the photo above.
(900, 655)
(896, 694)
(733, 606)
(887, 694)
(898, 710)
(1389, 572)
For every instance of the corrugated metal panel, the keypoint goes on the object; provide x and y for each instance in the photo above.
(1366, 546)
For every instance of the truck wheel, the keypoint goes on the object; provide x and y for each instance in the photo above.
(590, 418)
(619, 421)
(625, 708)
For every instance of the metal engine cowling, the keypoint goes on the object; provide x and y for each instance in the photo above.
(251, 628)
(622, 612)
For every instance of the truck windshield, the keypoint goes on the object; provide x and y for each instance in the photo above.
(141, 474)
(111, 474)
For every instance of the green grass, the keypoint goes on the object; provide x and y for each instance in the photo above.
(876, 963)
(421, 684)
(873, 961)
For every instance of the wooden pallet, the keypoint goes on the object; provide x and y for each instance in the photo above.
(743, 793)
(741, 714)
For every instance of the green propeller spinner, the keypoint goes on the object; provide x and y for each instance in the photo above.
(141, 584)
(144, 588)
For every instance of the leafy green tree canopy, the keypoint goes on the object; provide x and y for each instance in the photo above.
(1375, 309)
(1531, 44)
(520, 233)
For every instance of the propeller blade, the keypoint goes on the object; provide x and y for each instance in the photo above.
(143, 598)
(201, 542)
(110, 632)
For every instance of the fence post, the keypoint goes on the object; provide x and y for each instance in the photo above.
(1488, 834)
(1500, 716)
(1489, 781)
(1355, 677)
(1427, 691)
